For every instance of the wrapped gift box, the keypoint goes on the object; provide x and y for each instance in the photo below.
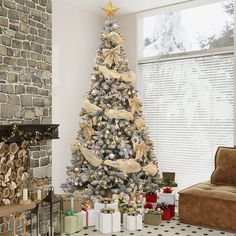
(148, 206)
(70, 224)
(79, 220)
(152, 219)
(71, 203)
(89, 217)
(132, 222)
(67, 221)
(167, 198)
(105, 204)
(167, 213)
(151, 197)
(108, 221)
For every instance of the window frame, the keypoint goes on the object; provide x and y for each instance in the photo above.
(172, 56)
(190, 54)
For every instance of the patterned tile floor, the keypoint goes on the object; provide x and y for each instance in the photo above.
(167, 228)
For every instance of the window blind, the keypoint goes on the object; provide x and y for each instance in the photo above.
(188, 106)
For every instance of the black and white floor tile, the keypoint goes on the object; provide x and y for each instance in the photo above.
(167, 228)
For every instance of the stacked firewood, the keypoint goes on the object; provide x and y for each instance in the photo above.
(14, 164)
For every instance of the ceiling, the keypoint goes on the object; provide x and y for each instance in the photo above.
(126, 6)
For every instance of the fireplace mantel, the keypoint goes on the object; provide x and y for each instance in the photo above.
(49, 131)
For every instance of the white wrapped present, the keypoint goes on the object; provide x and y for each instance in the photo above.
(107, 203)
(167, 198)
(108, 221)
(132, 222)
(89, 217)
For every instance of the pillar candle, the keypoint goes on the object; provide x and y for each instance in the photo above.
(25, 194)
(39, 194)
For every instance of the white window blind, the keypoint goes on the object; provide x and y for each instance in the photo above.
(188, 106)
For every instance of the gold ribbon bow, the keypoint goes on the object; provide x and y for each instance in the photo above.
(112, 56)
(135, 104)
(87, 128)
(141, 150)
(140, 123)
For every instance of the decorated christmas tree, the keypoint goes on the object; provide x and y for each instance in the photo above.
(112, 152)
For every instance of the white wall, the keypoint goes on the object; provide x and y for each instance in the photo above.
(128, 24)
(76, 36)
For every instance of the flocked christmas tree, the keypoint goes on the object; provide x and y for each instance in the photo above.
(113, 152)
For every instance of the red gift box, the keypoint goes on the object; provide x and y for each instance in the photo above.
(167, 213)
(148, 206)
(151, 197)
(172, 210)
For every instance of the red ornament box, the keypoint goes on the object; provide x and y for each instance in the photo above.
(168, 211)
(151, 197)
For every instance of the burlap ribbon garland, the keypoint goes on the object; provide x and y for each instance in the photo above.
(91, 108)
(126, 166)
(87, 128)
(112, 56)
(114, 37)
(128, 77)
(92, 158)
(109, 74)
(141, 150)
(119, 114)
(135, 104)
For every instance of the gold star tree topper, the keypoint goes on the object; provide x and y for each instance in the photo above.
(110, 10)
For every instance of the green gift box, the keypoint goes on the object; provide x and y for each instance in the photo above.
(73, 222)
(152, 219)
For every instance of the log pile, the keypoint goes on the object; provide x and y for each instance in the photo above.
(14, 164)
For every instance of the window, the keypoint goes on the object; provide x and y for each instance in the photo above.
(203, 27)
(188, 93)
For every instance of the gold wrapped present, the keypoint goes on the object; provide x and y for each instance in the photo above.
(71, 203)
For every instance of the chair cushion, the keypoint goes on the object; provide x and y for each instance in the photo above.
(211, 191)
(225, 166)
(209, 205)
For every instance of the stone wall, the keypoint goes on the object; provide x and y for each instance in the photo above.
(25, 71)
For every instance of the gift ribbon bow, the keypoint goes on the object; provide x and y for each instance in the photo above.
(86, 208)
(141, 150)
(87, 128)
(107, 211)
(112, 56)
(167, 190)
(135, 105)
(68, 213)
